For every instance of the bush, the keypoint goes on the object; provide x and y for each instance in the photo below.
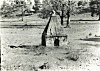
(44, 13)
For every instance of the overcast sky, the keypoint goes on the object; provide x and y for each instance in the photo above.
(1, 1)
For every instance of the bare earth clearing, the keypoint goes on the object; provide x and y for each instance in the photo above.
(30, 56)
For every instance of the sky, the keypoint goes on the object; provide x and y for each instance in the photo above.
(1, 1)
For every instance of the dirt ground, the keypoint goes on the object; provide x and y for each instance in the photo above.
(20, 50)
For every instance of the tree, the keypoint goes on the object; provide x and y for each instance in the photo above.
(6, 9)
(83, 3)
(9, 10)
(61, 7)
(58, 7)
(80, 3)
(36, 5)
(95, 7)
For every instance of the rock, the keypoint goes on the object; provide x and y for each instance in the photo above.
(44, 66)
(90, 34)
(66, 53)
(73, 57)
(13, 46)
(61, 59)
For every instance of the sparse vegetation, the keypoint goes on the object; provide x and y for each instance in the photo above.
(21, 40)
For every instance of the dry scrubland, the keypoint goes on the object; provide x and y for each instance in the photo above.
(78, 55)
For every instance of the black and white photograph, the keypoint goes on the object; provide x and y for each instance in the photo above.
(50, 35)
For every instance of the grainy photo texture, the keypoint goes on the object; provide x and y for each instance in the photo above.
(50, 35)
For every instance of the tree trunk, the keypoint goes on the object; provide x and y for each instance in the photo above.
(61, 20)
(62, 15)
(99, 16)
(43, 41)
(68, 14)
(68, 19)
(22, 13)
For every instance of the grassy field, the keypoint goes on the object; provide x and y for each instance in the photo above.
(21, 50)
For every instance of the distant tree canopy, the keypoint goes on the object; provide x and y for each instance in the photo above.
(36, 6)
(8, 10)
(61, 7)
(79, 3)
(95, 7)
(83, 3)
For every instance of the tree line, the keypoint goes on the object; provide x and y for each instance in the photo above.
(63, 8)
